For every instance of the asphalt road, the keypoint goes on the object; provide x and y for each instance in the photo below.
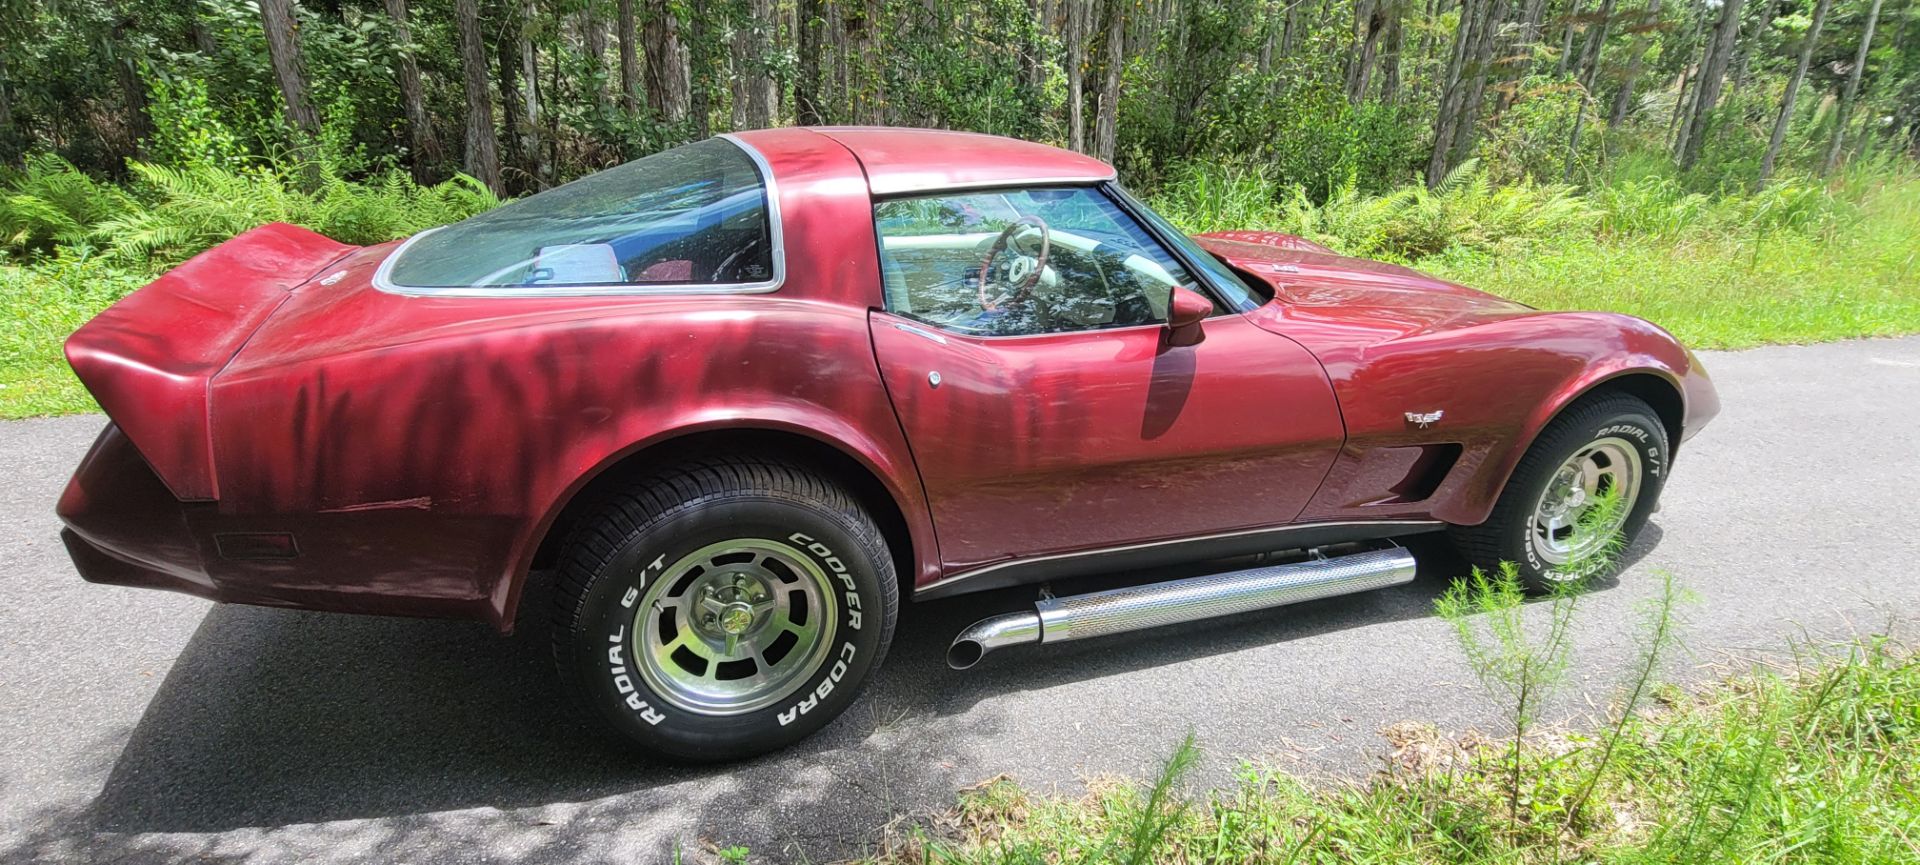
(138, 726)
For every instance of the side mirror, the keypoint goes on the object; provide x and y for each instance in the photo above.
(1185, 311)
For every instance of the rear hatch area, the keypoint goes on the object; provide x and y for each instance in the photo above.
(150, 358)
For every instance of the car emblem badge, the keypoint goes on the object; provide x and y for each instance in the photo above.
(1424, 419)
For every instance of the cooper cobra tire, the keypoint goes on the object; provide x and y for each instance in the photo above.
(1613, 437)
(724, 608)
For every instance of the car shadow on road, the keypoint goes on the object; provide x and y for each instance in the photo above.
(270, 718)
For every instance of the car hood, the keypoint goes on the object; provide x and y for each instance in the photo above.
(1312, 281)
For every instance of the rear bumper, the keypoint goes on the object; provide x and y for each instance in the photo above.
(124, 527)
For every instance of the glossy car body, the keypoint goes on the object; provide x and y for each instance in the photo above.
(288, 431)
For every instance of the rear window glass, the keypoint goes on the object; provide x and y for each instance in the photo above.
(693, 215)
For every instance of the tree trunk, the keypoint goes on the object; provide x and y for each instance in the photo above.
(593, 32)
(203, 41)
(1032, 65)
(1847, 96)
(1390, 52)
(1713, 70)
(1780, 124)
(413, 103)
(753, 67)
(629, 58)
(1637, 58)
(1290, 27)
(6, 108)
(808, 108)
(701, 63)
(283, 51)
(1106, 129)
(1076, 39)
(537, 164)
(668, 84)
(1561, 65)
(133, 92)
(1596, 42)
(512, 110)
(482, 156)
(1492, 17)
(1518, 53)
(1446, 118)
(1369, 24)
(1744, 52)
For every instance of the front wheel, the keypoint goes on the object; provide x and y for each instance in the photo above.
(1582, 493)
(723, 610)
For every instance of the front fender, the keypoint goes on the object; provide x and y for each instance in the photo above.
(1637, 355)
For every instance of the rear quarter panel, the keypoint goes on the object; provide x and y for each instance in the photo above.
(422, 445)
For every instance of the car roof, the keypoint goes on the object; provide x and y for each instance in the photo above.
(905, 161)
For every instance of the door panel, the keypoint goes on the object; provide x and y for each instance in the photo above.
(1040, 444)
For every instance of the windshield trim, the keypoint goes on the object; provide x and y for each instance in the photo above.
(382, 277)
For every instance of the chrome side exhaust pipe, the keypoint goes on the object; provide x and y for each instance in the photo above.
(1117, 611)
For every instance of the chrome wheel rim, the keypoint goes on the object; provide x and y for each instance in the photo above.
(733, 627)
(1562, 530)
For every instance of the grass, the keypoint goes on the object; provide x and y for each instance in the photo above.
(40, 305)
(1815, 763)
(1798, 262)
(1731, 290)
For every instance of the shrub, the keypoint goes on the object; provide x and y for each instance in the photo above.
(170, 213)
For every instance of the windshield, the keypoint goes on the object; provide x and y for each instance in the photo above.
(695, 215)
(1218, 274)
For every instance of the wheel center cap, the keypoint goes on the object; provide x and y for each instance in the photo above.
(737, 618)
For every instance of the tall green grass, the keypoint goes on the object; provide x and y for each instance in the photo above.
(39, 306)
(1819, 763)
(1798, 261)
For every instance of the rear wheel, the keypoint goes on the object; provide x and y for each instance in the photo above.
(724, 609)
(1581, 494)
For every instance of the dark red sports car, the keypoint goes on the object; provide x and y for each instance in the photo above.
(741, 396)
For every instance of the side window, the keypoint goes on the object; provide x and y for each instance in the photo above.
(1021, 262)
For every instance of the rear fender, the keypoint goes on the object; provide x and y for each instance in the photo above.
(886, 462)
(148, 359)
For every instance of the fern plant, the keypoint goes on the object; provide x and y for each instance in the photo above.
(50, 203)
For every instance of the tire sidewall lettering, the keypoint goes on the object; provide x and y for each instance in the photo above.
(1652, 453)
(618, 666)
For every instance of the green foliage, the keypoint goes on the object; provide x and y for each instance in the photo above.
(1466, 213)
(186, 128)
(170, 213)
(51, 203)
(40, 305)
(1814, 765)
(1716, 283)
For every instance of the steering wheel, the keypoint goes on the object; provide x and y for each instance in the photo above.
(1023, 273)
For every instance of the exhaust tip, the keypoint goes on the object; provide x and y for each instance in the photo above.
(984, 636)
(964, 653)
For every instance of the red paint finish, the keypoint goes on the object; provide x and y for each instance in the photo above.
(1394, 341)
(148, 358)
(417, 450)
(903, 161)
(1041, 444)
